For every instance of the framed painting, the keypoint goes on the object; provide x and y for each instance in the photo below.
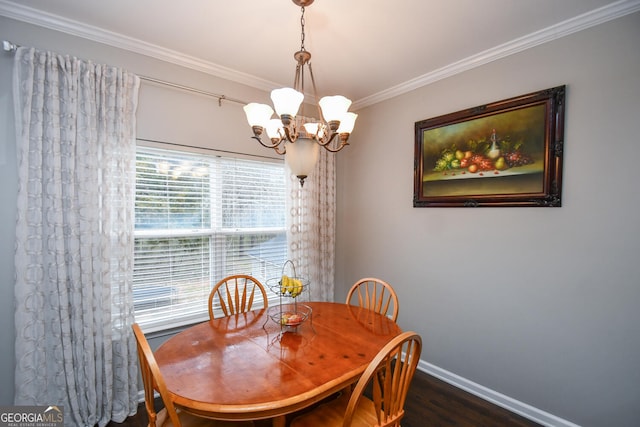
(507, 153)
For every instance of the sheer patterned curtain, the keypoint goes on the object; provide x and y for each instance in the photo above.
(75, 129)
(311, 226)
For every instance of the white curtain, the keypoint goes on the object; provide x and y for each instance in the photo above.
(311, 226)
(75, 128)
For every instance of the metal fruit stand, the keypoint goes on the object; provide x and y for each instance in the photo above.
(291, 312)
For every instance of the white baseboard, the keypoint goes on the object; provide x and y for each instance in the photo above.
(499, 399)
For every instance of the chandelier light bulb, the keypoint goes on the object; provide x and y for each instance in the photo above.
(286, 101)
(258, 114)
(334, 107)
(314, 130)
(274, 129)
(347, 123)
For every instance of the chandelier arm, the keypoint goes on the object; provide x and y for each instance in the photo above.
(344, 137)
(326, 139)
(343, 144)
(296, 79)
(275, 143)
(315, 93)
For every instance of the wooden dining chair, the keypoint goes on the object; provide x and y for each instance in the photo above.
(375, 294)
(153, 381)
(236, 294)
(386, 380)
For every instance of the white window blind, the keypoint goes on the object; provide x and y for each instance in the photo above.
(200, 218)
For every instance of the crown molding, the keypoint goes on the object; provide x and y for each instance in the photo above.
(562, 29)
(79, 29)
(554, 32)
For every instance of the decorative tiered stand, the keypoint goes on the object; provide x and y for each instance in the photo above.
(292, 289)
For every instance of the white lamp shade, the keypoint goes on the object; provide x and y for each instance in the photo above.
(286, 101)
(334, 107)
(347, 123)
(302, 156)
(258, 114)
(312, 129)
(274, 129)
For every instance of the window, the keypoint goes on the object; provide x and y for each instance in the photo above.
(199, 218)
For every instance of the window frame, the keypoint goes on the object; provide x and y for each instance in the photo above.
(215, 233)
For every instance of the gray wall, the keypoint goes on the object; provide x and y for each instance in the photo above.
(536, 304)
(539, 304)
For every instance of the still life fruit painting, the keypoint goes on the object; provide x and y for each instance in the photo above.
(498, 154)
(487, 147)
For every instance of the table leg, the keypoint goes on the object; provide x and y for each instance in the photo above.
(279, 421)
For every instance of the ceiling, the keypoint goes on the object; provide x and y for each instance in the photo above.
(367, 50)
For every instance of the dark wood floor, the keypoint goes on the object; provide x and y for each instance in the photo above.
(431, 402)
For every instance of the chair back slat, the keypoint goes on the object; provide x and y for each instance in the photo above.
(377, 295)
(236, 294)
(390, 374)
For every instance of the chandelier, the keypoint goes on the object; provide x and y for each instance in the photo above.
(294, 135)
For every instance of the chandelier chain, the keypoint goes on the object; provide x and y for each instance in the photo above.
(302, 27)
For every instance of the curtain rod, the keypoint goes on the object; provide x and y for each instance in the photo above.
(191, 89)
(8, 46)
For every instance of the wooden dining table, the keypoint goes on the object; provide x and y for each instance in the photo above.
(248, 366)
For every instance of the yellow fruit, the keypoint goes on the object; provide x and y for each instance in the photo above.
(285, 284)
(292, 289)
(297, 288)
